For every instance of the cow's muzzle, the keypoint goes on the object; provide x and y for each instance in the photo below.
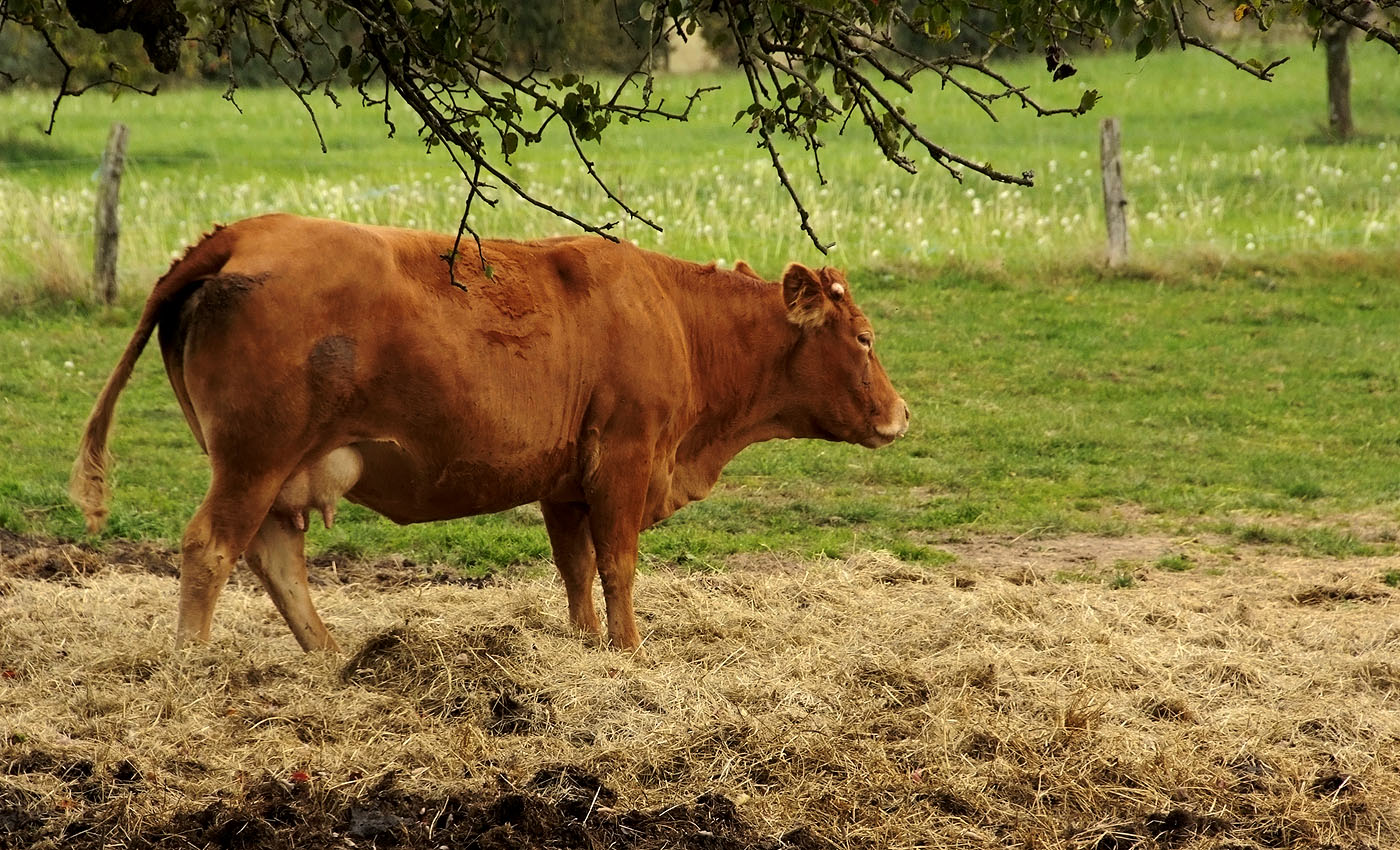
(888, 432)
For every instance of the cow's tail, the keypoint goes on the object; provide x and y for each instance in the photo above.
(87, 486)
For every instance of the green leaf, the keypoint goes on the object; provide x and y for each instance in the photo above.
(1144, 47)
(360, 69)
(346, 54)
(509, 143)
(1087, 102)
(646, 11)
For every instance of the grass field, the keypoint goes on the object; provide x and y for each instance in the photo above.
(1215, 162)
(1238, 379)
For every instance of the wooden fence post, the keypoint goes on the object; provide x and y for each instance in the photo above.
(105, 224)
(1115, 204)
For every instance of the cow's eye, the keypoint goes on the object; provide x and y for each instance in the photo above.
(867, 340)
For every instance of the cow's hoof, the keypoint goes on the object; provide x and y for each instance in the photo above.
(633, 648)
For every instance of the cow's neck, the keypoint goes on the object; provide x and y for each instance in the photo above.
(739, 340)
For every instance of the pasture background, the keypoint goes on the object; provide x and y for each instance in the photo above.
(1238, 379)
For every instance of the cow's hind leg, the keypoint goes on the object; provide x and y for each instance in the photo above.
(277, 556)
(572, 542)
(219, 532)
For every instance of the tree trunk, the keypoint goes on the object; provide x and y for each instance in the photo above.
(1335, 37)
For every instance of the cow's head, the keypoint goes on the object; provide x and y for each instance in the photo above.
(840, 389)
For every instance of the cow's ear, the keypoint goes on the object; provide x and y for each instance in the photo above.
(745, 269)
(802, 292)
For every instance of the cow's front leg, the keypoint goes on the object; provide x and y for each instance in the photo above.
(572, 542)
(615, 519)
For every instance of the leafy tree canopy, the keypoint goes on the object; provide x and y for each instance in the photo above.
(482, 81)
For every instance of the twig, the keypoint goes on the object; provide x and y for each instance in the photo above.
(1263, 72)
(750, 73)
(1342, 12)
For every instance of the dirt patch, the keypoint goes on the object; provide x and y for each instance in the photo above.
(1028, 559)
(558, 807)
(1229, 697)
(49, 560)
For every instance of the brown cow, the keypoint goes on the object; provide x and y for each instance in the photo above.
(318, 359)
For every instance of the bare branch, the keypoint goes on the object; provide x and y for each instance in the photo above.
(746, 62)
(1263, 72)
(64, 90)
(439, 127)
(62, 84)
(474, 185)
(301, 96)
(1344, 12)
(810, 66)
(939, 153)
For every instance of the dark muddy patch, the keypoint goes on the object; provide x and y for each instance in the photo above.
(387, 572)
(1156, 830)
(563, 806)
(1325, 594)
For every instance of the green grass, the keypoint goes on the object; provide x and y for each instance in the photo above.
(1177, 562)
(1314, 540)
(1122, 580)
(1215, 162)
(1047, 404)
(1243, 370)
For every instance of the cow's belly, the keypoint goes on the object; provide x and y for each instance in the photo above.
(408, 484)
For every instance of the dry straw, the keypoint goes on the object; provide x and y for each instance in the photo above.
(1251, 702)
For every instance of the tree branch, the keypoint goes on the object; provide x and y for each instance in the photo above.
(1343, 12)
(810, 66)
(757, 92)
(1263, 72)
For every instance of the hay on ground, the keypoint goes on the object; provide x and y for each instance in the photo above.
(864, 703)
